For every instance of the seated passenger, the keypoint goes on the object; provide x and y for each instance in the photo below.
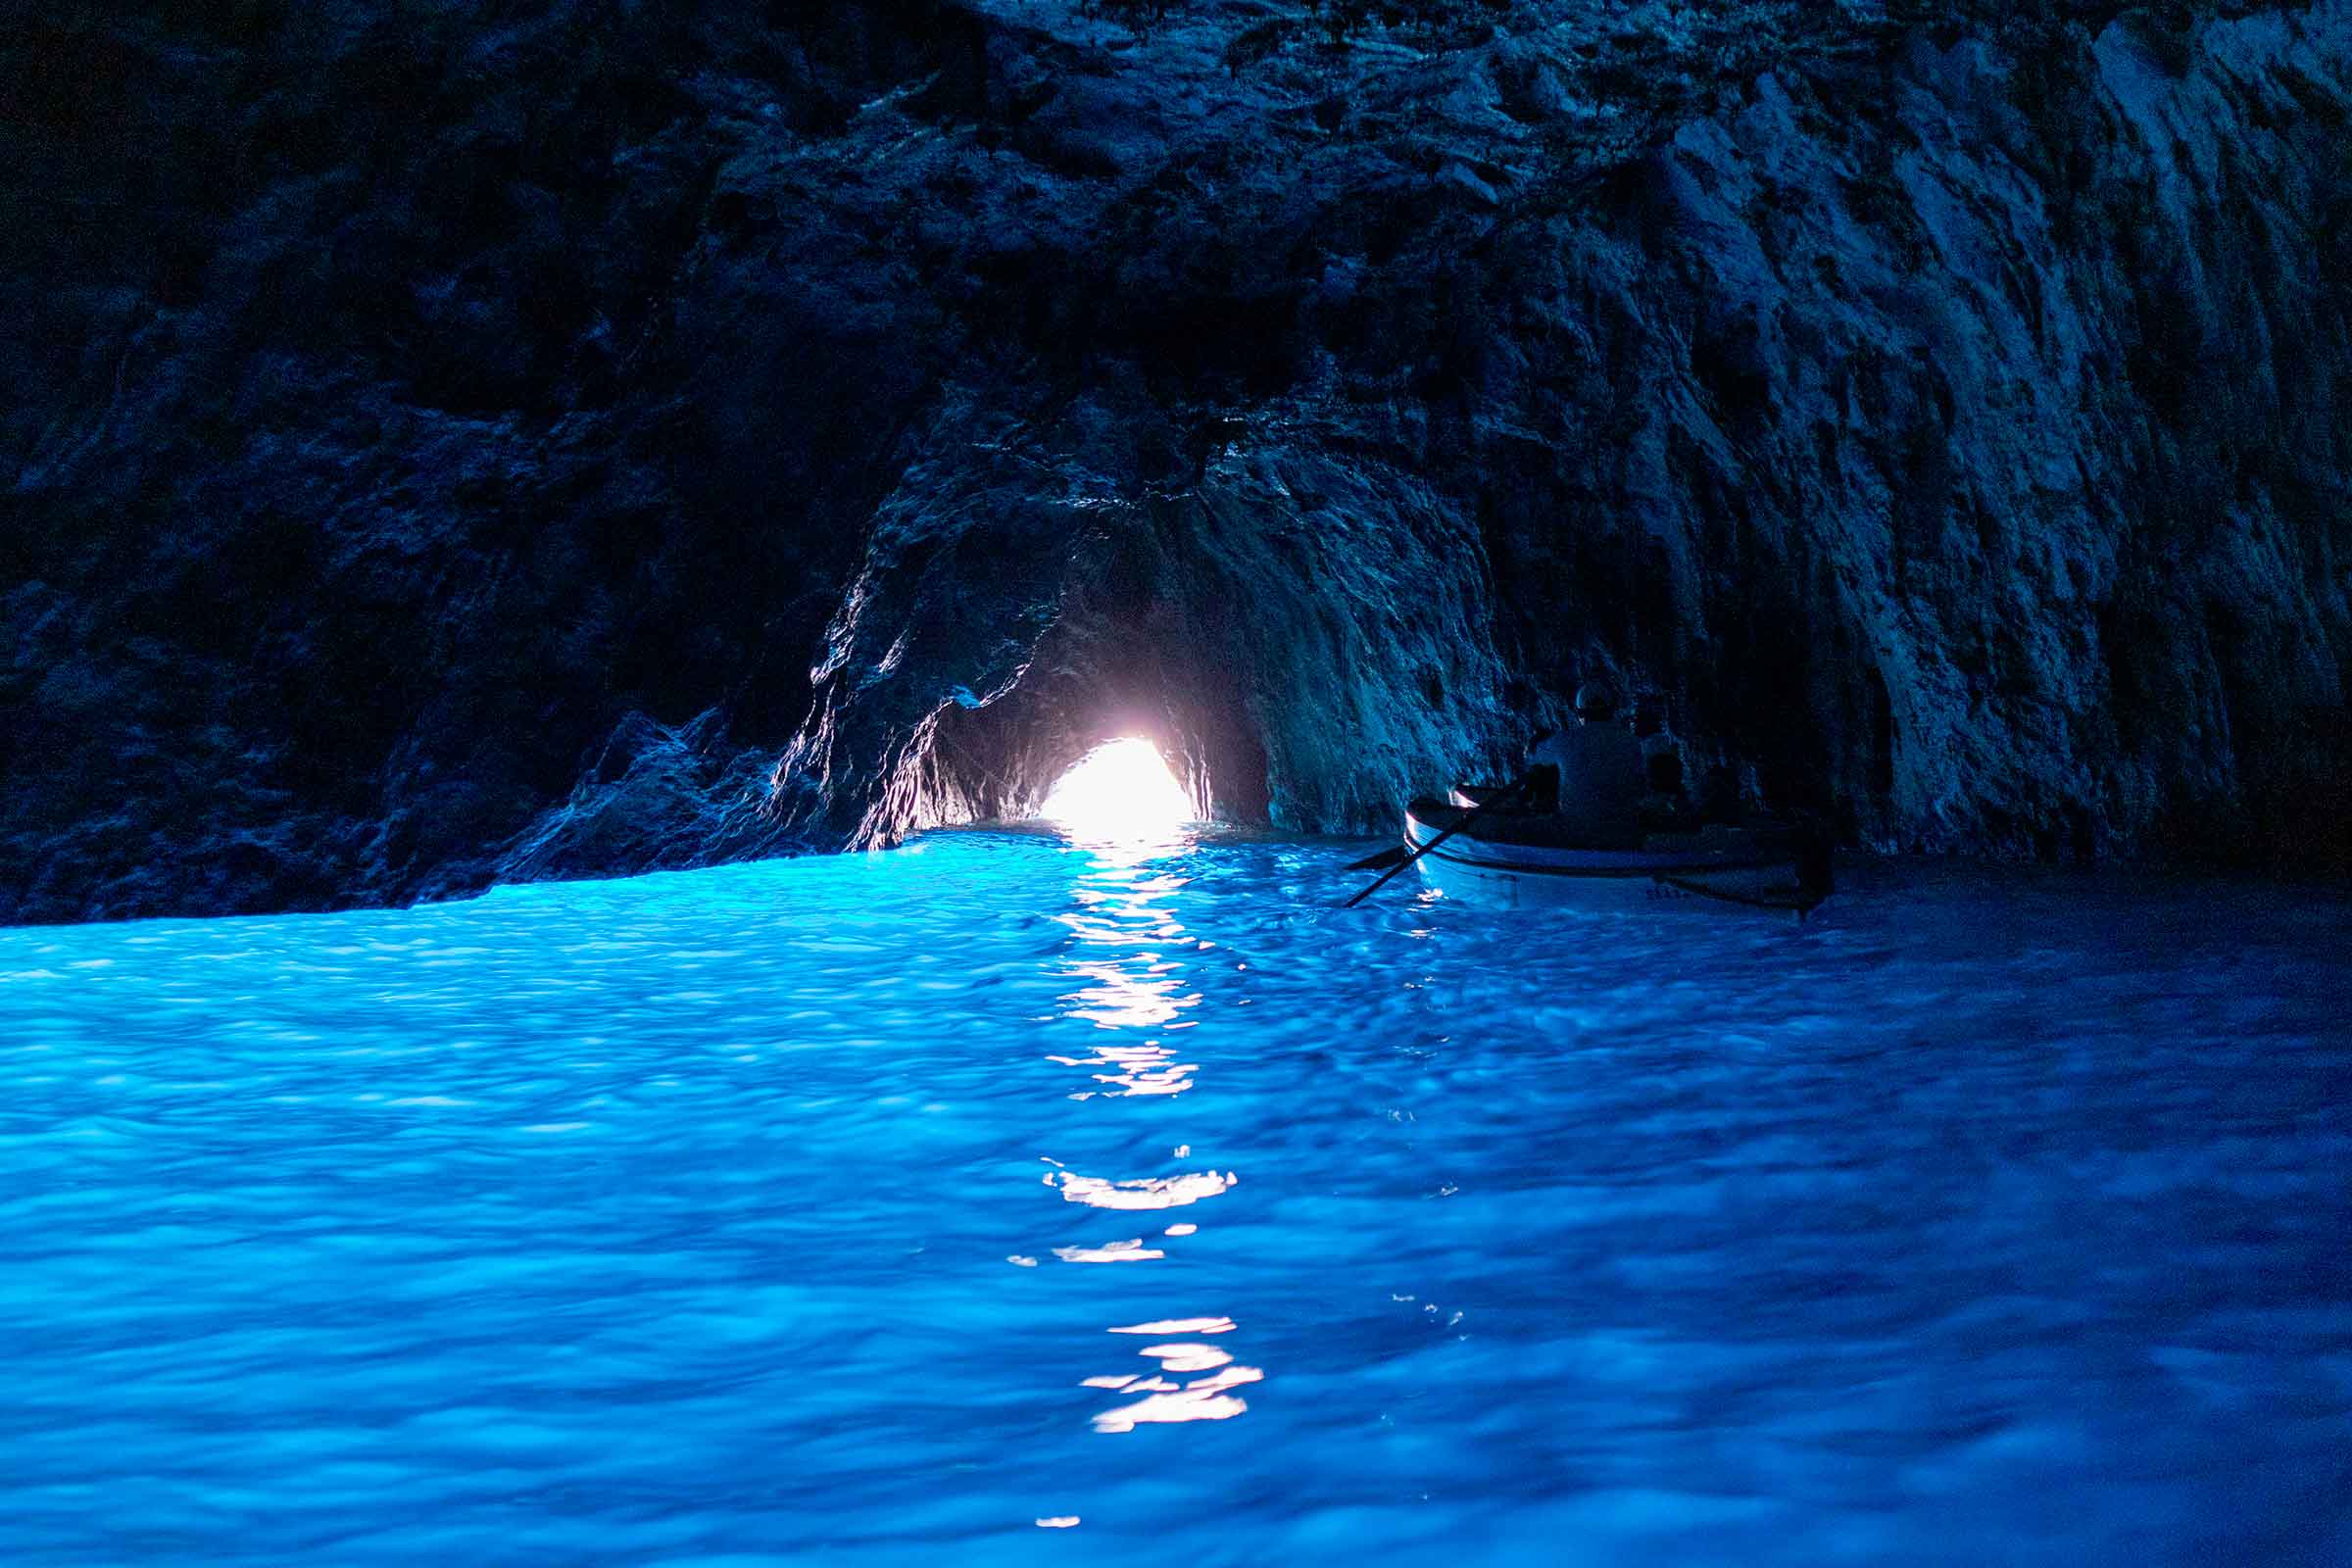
(1592, 772)
(1665, 804)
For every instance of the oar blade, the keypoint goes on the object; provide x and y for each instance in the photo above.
(1394, 855)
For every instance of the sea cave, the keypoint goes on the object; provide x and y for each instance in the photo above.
(1176, 781)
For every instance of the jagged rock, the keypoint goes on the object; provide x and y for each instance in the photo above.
(614, 436)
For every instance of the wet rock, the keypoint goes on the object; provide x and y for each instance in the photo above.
(614, 436)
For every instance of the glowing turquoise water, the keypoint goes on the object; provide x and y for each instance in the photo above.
(892, 1209)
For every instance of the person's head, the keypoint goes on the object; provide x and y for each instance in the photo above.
(1596, 703)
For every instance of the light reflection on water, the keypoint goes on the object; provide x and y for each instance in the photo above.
(1122, 906)
(1002, 1201)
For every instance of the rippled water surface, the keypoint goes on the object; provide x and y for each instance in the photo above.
(999, 1202)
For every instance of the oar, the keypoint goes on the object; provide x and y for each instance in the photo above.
(1814, 852)
(1467, 817)
(1800, 905)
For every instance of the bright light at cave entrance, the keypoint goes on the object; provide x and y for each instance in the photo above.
(1122, 789)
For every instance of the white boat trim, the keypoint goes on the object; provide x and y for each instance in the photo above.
(1744, 872)
(1532, 860)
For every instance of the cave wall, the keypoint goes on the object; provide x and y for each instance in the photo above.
(455, 443)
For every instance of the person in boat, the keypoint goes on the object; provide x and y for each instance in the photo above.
(1665, 801)
(1592, 771)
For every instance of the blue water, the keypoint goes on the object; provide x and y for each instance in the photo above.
(906, 1208)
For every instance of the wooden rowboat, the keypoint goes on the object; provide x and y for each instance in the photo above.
(1518, 860)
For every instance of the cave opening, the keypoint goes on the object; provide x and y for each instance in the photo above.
(1093, 764)
(1129, 713)
(1122, 789)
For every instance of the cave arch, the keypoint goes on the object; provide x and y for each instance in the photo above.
(1093, 681)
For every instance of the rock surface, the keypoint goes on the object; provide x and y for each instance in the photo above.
(453, 444)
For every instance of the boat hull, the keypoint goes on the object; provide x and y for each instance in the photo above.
(1734, 870)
